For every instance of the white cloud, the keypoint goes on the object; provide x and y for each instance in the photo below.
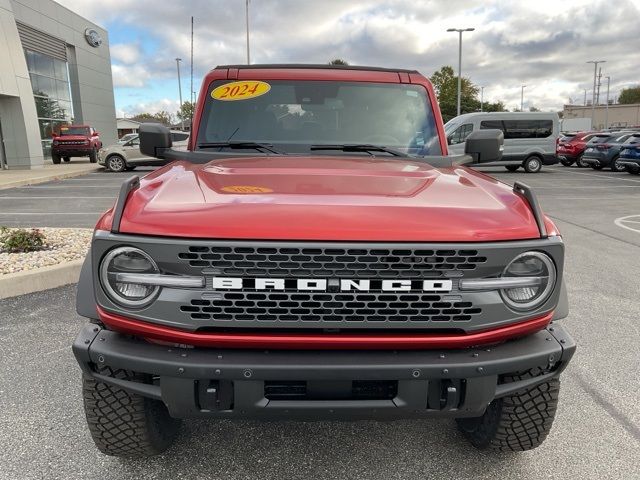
(164, 104)
(542, 44)
(126, 53)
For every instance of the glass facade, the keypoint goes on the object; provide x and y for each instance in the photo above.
(52, 93)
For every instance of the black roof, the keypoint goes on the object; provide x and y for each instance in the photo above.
(322, 66)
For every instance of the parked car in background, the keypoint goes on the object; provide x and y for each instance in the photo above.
(630, 154)
(603, 150)
(75, 141)
(571, 147)
(529, 138)
(125, 138)
(127, 156)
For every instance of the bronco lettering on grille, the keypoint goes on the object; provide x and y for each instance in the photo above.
(322, 284)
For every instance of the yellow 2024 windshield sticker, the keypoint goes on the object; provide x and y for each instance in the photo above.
(242, 90)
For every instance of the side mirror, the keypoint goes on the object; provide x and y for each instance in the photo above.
(95, 134)
(485, 146)
(155, 138)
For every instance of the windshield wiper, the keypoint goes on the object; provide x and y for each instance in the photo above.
(241, 145)
(359, 148)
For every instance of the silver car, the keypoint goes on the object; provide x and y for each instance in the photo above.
(126, 155)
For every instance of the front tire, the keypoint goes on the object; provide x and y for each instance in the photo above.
(532, 164)
(55, 158)
(580, 162)
(124, 424)
(566, 162)
(116, 163)
(616, 167)
(512, 168)
(517, 422)
(633, 170)
(93, 156)
(66, 159)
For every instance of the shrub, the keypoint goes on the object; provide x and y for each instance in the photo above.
(21, 240)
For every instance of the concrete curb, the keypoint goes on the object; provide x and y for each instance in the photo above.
(39, 279)
(47, 177)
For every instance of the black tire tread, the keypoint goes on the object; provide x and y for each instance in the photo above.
(517, 422)
(125, 424)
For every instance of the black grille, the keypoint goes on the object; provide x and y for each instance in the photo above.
(331, 262)
(329, 307)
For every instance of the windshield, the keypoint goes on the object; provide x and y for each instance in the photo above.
(84, 131)
(293, 115)
(127, 137)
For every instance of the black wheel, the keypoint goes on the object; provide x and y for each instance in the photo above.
(116, 163)
(566, 162)
(55, 158)
(512, 168)
(518, 422)
(633, 170)
(580, 162)
(93, 156)
(66, 159)
(616, 167)
(125, 424)
(532, 164)
(131, 167)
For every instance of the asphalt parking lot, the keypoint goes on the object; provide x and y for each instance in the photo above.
(596, 434)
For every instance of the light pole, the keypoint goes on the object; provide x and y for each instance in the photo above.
(522, 98)
(460, 30)
(606, 108)
(178, 60)
(481, 97)
(247, 20)
(593, 98)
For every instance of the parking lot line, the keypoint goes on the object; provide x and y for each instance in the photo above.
(604, 177)
(51, 213)
(50, 198)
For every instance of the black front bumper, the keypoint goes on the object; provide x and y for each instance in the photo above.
(321, 384)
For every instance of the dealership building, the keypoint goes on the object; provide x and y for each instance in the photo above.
(55, 69)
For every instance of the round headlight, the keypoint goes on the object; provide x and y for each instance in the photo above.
(530, 264)
(128, 260)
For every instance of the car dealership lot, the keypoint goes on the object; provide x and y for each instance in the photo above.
(596, 433)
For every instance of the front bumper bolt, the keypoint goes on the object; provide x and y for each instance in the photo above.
(247, 373)
(181, 370)
(442, 355)
(415, 373)
(480, 370)
(100, 359)
(86, 342)
(218, 372)
(445, 371)
(475, 355)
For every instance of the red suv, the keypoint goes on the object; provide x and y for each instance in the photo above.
(76, 141)
(571, 147)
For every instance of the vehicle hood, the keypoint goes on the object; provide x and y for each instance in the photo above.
(326, 198)
(116, 147)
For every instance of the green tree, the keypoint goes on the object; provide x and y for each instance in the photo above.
(494, 107)
(533, 108)
(186, 112)
(338, 61)
(629, 95)
(446, 86)
(161, 117)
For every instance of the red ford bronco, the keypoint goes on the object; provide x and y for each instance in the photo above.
(316, 254)
(75, 141)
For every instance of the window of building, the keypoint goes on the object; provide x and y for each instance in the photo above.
(52, 94)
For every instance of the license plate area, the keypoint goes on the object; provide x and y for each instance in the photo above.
(331, 390)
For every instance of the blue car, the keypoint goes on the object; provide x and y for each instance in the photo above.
(630, 154)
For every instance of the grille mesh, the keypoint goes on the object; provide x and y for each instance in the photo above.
(331, 307)
(331, 262)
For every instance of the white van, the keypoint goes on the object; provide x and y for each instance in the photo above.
(529, 137)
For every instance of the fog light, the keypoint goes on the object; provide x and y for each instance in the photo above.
(128, 260)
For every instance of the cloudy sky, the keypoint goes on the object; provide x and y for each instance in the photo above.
(543, 43)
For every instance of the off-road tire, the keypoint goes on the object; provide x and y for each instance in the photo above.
(124, 424)
(633, 170)
(615, 167)
(93, 156)
(532, 164)
(66, 159)
(566, 162)
(55, 158)
(116, 163)
(512, 168)
(517, 422)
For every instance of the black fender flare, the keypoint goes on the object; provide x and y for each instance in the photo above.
(86, 305)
